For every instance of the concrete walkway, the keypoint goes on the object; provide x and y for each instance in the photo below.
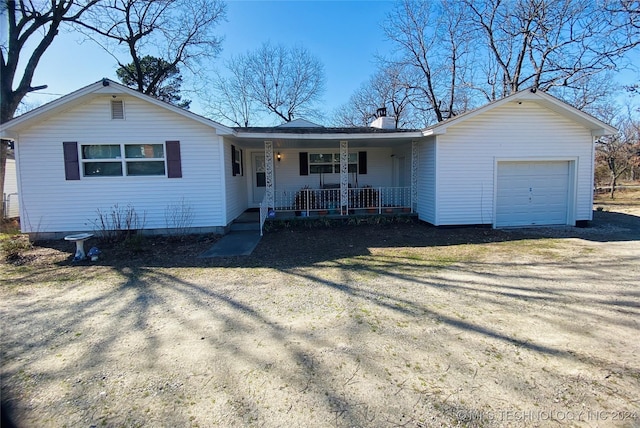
(241, 240)
(238, 243)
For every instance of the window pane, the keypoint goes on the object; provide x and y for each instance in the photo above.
(102, 169)
(101, 151)
(320, 158)
(317, 169)
(144, 151)
(145, 168)
(352, 168)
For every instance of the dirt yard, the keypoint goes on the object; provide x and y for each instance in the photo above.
(369, 326)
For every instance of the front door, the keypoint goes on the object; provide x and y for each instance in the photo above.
(401, 196)
(259, 179)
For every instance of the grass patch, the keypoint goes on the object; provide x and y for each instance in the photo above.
(9, 227)
(622, 197)
(549, 248)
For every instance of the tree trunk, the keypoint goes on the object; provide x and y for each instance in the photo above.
(614, 181)
(3, 163)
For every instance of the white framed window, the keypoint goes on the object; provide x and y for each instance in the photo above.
(117, 160)
(327, 163)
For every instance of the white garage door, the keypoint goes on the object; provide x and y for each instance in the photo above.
(532, 193)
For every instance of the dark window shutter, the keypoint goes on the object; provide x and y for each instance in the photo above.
(362, 162)
(304, 163)
(71, 162)
(233, 160)
(174, 161)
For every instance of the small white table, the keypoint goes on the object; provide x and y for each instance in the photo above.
(79, 239)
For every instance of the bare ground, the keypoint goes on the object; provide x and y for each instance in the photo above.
(394, 325)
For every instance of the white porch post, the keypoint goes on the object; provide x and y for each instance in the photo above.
(414, 175)
(268, 166)
(344, 177)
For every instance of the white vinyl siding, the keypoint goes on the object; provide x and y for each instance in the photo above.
(11, 190)
(235, 187)
(427, 182)
(53, 204)
(467, 155)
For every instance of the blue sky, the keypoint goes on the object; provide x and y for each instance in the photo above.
(344, 35)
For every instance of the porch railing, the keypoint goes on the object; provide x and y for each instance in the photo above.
(328, 201)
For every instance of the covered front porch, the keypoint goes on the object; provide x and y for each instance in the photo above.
(337, 181)
(328, 201)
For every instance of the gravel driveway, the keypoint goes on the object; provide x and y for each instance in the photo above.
(376, 326)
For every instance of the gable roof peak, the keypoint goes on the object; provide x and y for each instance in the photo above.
(103, 86)
(532, 94)
(299, 123)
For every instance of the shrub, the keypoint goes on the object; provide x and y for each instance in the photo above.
(13, 247)
(118, 224)
(178, 218)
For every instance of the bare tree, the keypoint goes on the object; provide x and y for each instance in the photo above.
(542, 44)
(624, 16)
(465, 52)
(432, 43)
(27, 24)
(626, 13)
(386, 88)
(179, 32)
(273, 79)
(231, 99)
(286, 81)
(619, 153)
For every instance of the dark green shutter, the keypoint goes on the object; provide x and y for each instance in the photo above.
(304, 163)
(174, 161)
(362, 162)
(233, 160)
(71, 161)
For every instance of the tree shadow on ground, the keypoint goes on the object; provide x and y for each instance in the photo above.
(221, 310)
(298, 245)
(139, 304)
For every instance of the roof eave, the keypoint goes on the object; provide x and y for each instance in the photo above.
(326, 136)
(8, 135)
(595, 126)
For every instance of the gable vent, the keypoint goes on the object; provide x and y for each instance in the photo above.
(117, 109)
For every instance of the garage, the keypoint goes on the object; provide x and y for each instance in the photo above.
(532, 193)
